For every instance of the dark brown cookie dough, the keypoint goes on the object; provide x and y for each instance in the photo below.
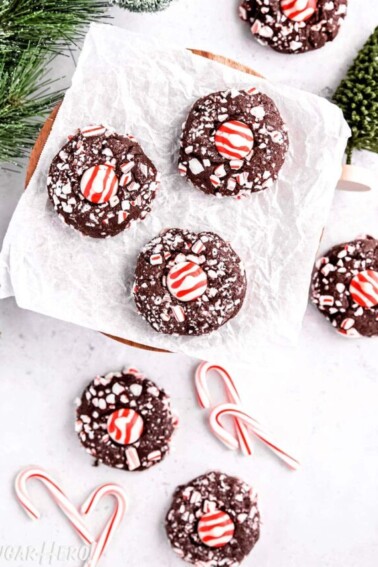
(233, 143)
(345, 287)
(294, 26)
(188, 283)
(125, 421)
(100, 182)
(213, 520)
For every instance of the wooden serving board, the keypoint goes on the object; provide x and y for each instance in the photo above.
(46, 129)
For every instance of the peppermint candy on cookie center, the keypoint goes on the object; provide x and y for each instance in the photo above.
(99, 183)
(125, 426)
(298, 10)
(187, 281)
(234, 140)
(364, 288)
(216, 529)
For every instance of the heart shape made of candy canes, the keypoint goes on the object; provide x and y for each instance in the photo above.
(98, 543)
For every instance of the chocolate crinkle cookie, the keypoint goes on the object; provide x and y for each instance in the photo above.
(345, 287)
(100, 182)
(188, 283)
(125, 421)
(233, 143)
(294, 26)
(213, 521)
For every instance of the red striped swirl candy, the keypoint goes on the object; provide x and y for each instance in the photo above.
(234, 140)
(298, 10)
(364, 288)
(99, 183)
(125, 426)
(186, 281)
(216, 529)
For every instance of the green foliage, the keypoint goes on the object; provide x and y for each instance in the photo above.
(357, 96)
(31, 32)
(23, 102)
(142, 5)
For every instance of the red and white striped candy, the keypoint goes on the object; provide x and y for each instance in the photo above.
(234, 140)
(178, 313)
(245, 424)
(91, 131)
(156, 259)
(104, 538)
(215, 181)
(234, 410)
(125, 426)
(298, 10)
(198, 247)
(216, 529)
(99, 183)
(243, 437)
(132, 457)
(127, 166)
(186, 281)
(364, 288)
(98, 543)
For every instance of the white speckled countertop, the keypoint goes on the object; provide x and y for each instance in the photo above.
(322, 396)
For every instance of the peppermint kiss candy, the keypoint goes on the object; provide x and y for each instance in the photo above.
(234, 140)
(364, 288)
(125, 426)
(216, 529)
(298, 10)
(99, 183)
(186, 281)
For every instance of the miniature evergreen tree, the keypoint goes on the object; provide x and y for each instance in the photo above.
(142, 5)
(357, 96)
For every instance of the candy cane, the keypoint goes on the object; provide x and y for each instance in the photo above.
(235, 411)
(102, 542)
(58, 495)
(244, 440)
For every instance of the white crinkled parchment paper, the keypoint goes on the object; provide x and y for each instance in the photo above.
(146, 88)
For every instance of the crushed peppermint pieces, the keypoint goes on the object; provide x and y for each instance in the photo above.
(97, 176)
(294, 26)
(213, 147)
(188, 283)
(125, 421)
(213, 520)
(345, 287)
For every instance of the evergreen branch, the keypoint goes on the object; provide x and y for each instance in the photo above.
(31, 32)
(357, 96)
(46, 23)
(24, 102)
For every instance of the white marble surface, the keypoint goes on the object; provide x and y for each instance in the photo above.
(322, 397)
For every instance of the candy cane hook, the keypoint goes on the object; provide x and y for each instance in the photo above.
(58, 495)
(102, 542)
(244, 440)
(234, 411)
